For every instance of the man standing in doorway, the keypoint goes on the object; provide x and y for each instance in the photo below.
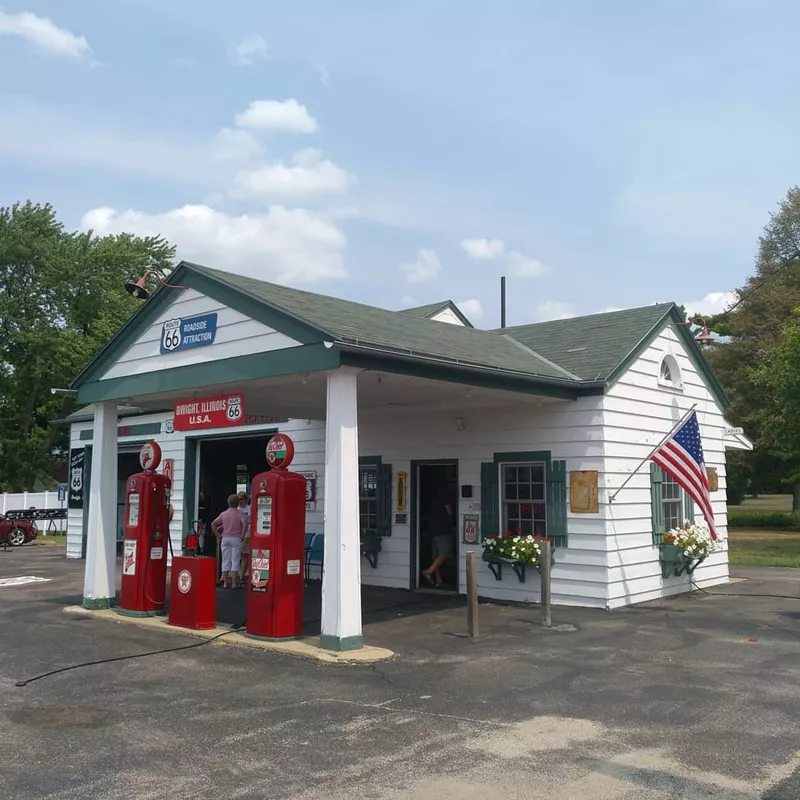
(443, 534)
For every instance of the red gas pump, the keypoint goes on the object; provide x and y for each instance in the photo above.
(146, 538)
(277, 536)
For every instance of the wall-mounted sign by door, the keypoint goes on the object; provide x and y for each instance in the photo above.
(77, 463)
(183, 333)
(221, 411)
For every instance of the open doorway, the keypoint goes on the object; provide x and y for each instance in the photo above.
(436, 485)
(227, 466)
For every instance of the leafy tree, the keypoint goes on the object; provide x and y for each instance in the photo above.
(754, 329)
(61, 299)
(779, 378)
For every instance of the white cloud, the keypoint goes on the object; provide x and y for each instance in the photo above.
(425, 268)
(554, 309)
(471, 309)
(323, 74)
(407, 301)
(522, 267)
(308, 175)
(712, 303)
(277, 115)
(609, 310)
(483, 249)
(288, 246)
(44, 34)
(233, 144)
(249, 50)
(495, 250)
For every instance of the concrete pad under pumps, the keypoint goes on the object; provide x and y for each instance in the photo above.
(306, 647)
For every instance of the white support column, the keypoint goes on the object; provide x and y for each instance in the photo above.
(99, 582)
(341, 579)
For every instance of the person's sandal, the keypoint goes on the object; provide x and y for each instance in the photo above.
(428, 577)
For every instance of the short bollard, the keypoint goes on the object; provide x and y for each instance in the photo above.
(547, 620)
(472, 595)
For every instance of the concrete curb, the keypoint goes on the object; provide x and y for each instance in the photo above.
(304, 648)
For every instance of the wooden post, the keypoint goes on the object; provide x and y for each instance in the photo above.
(547, 619)
(472, 595)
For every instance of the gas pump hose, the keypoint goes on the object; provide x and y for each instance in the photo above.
(234, 629)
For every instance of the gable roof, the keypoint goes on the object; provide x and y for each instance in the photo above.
(592, 347)
(574, 356)
(368, 326)
(432, 309)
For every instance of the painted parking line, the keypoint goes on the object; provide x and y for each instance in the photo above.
(21, 580)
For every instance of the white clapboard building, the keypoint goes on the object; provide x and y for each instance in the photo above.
(534, 426)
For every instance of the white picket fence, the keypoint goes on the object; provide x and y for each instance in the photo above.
(22, 501)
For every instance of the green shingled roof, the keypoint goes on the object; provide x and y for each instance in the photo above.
(361, 324)
(592, 347)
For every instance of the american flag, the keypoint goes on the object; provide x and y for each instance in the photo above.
(681, 456)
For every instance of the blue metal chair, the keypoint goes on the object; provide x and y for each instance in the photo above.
(315, 553)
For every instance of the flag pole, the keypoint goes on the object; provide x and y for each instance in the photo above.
(650, 454)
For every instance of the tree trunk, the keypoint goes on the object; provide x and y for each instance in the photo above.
(796, 497)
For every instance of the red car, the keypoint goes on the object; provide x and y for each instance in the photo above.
(16, 531)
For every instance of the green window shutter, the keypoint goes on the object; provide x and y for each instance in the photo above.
(557, 503)
(384, 500)
(490, 493)
(656, 503)
(688, 508)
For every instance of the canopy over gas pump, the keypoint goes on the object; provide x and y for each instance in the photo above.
(277, 536)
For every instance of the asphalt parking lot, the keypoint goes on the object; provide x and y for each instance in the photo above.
(695, 697)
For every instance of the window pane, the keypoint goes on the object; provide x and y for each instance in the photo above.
(368, 500)
(524, 483)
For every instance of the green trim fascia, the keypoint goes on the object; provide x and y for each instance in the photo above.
(451, 306)
(693, 350)
(455, 373)
(370, 461)
(98, 603)
(291, 361)
(109, 354)
(341, 644)
(184, 274)
(145, 429)
(253, 307)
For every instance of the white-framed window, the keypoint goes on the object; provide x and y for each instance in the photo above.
(523, 493)
(672, 502)
(669, 373)
(368, 499)
(671, 506)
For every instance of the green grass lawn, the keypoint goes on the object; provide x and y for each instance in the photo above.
(53, 539)
(763, 548)
(767, 502)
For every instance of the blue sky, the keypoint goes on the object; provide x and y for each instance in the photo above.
(600, 155)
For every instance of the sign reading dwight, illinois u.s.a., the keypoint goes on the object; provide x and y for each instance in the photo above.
(183, 333)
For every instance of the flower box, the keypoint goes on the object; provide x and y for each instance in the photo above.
(684, 549)
(496, 565)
